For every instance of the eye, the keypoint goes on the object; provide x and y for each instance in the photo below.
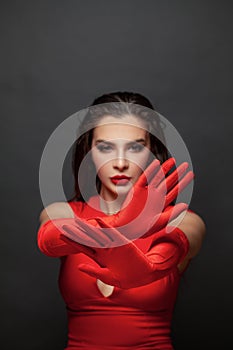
(104, 148)
(136, 147)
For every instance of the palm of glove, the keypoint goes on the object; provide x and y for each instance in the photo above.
(148, 209)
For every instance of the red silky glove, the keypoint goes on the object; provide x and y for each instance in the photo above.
(126, 266)
(148, 210)
(49, 238)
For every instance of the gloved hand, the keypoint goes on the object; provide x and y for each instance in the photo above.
(148, 210)
(50, 242)
(126, 266)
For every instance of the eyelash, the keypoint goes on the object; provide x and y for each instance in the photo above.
(136, 148)
(104, 148)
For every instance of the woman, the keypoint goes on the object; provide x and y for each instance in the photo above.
(120, 270)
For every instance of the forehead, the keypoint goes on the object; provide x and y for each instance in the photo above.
(126, 127)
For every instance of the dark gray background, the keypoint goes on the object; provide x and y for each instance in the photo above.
(56, 57)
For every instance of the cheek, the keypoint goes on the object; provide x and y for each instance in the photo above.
(98, 160)
(100, 163)
(102, 173)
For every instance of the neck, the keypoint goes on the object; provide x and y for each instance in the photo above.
(111, 206)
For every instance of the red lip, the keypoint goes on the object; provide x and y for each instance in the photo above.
(120, 177)
(120, 180)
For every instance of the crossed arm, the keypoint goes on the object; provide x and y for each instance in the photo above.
(71, 235)
(192, 226)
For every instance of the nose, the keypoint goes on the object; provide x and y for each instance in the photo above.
(120, 163)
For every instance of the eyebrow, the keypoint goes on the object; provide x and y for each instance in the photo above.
(130, 142)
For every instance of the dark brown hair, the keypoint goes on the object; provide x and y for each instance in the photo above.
(116, 104)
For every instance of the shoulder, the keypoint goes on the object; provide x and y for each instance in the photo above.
(193, 226)
(190, 223)
(56, 210)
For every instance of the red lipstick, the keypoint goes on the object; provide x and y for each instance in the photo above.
(120, 180)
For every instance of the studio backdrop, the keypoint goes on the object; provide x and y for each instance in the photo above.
(56, 57)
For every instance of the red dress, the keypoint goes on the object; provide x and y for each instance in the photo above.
(135, 318)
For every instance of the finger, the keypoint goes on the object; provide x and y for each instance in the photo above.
(158, 178)
(82, 248)
(87, 235)
(106, 236)
(168, 164)
(171, 196)
(170, 181)
(161, 220)
(161, 174)
(104, 224)
(148, 173)
(172, 213)
(176, 210)
(95, 233)
(115, 234)
(79, 236)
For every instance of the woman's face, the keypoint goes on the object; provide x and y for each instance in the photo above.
(120, 152)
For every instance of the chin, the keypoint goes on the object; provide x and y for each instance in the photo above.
(122, 190)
